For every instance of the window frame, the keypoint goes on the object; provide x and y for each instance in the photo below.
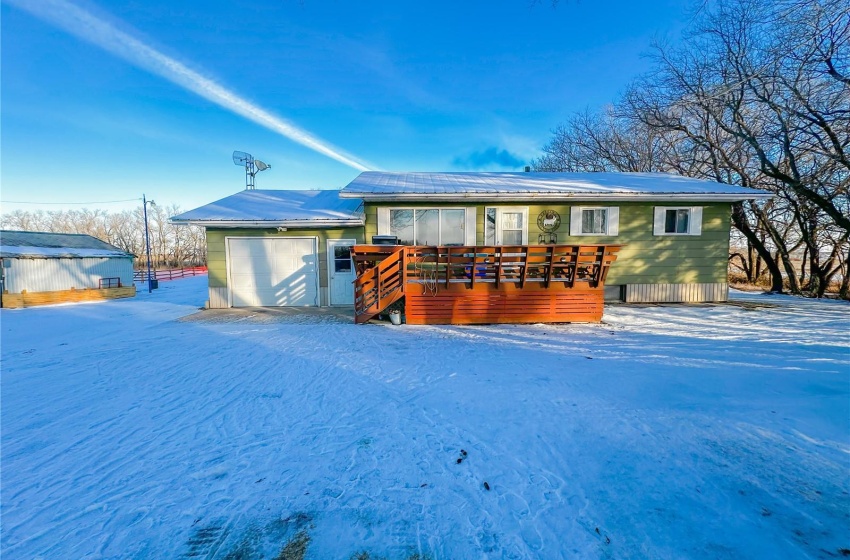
(660, 221)
(604, 212)
(612, 221)
(498, 231)
(386, 229)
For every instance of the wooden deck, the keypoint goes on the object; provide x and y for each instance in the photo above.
(31, 299)
(474, 285)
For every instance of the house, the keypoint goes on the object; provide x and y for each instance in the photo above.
(290, 247)
(41, 268)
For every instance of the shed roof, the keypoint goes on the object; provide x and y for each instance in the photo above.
(264, 208)
(376, 185)
(39, 244)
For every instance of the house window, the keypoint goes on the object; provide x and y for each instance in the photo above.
(428, 226)
(506, 226)
(595, 220)
(677, 221)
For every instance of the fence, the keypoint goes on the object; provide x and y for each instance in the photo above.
(168, 274)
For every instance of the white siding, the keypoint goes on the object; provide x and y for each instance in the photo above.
(677, 293)
(52, 275)
(218, 298)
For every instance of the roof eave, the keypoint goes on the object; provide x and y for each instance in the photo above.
(64, 256)
(355, 222)
(625, 197)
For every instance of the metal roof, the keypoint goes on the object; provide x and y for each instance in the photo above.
(265, 208)
(376, 185)
(38, 244)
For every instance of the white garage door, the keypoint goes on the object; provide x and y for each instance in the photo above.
(273, 272)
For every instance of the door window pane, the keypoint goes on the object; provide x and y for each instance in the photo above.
(401, 225)
(512, 220)
(427, 227)
(511, 237)
(593, 221)
(451, 227)
(342, 258)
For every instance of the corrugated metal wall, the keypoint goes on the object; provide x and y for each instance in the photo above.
(676, 293)
(51, 275)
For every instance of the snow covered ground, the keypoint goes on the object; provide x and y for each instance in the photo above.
(716, 431)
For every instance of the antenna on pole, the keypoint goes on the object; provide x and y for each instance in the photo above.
(252, 166)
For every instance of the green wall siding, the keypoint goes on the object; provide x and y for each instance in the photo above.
(646, 258)
(216, 250)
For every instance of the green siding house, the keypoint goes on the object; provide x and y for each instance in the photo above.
(290, 247)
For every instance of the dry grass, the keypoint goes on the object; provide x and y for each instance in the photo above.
(296, 548)
(738, 281)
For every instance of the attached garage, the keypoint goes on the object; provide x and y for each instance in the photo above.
(279, 248)
(273, 272)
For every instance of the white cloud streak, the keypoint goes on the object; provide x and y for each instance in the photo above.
(92, 29)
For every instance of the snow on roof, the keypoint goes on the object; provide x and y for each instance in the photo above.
(36, 244)
(373, 185)
(270, 207)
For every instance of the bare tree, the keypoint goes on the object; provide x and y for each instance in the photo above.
(758, 96)
(171, 245)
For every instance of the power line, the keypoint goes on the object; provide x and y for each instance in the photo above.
(65, 203)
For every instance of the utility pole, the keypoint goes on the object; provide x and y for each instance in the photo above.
(145, 203)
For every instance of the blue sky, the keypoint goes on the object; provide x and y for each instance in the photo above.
(397, 86)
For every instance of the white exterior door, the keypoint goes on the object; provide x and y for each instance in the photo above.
(340, 272)
(273, 271)
(512, 226)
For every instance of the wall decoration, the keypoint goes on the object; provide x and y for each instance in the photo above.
(549, 221)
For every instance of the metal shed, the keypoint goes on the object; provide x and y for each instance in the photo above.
(61, 267)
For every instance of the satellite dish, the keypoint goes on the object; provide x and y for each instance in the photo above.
(242, 158)
(252, 166)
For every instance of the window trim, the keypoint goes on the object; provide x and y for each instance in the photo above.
(612, 221)
(660, 219)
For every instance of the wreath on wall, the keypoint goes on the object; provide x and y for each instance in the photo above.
(549, 221)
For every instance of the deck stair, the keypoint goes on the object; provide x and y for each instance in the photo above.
(380, 279)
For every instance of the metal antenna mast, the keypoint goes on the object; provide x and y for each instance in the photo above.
(252, 166)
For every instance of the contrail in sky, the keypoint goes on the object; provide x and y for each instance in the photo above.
(90, 28)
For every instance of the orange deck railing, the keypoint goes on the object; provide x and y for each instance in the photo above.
(495, 284)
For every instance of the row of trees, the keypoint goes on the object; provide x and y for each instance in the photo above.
(171, 246)
(757, 94)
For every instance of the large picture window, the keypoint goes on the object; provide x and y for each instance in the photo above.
(428, 226)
